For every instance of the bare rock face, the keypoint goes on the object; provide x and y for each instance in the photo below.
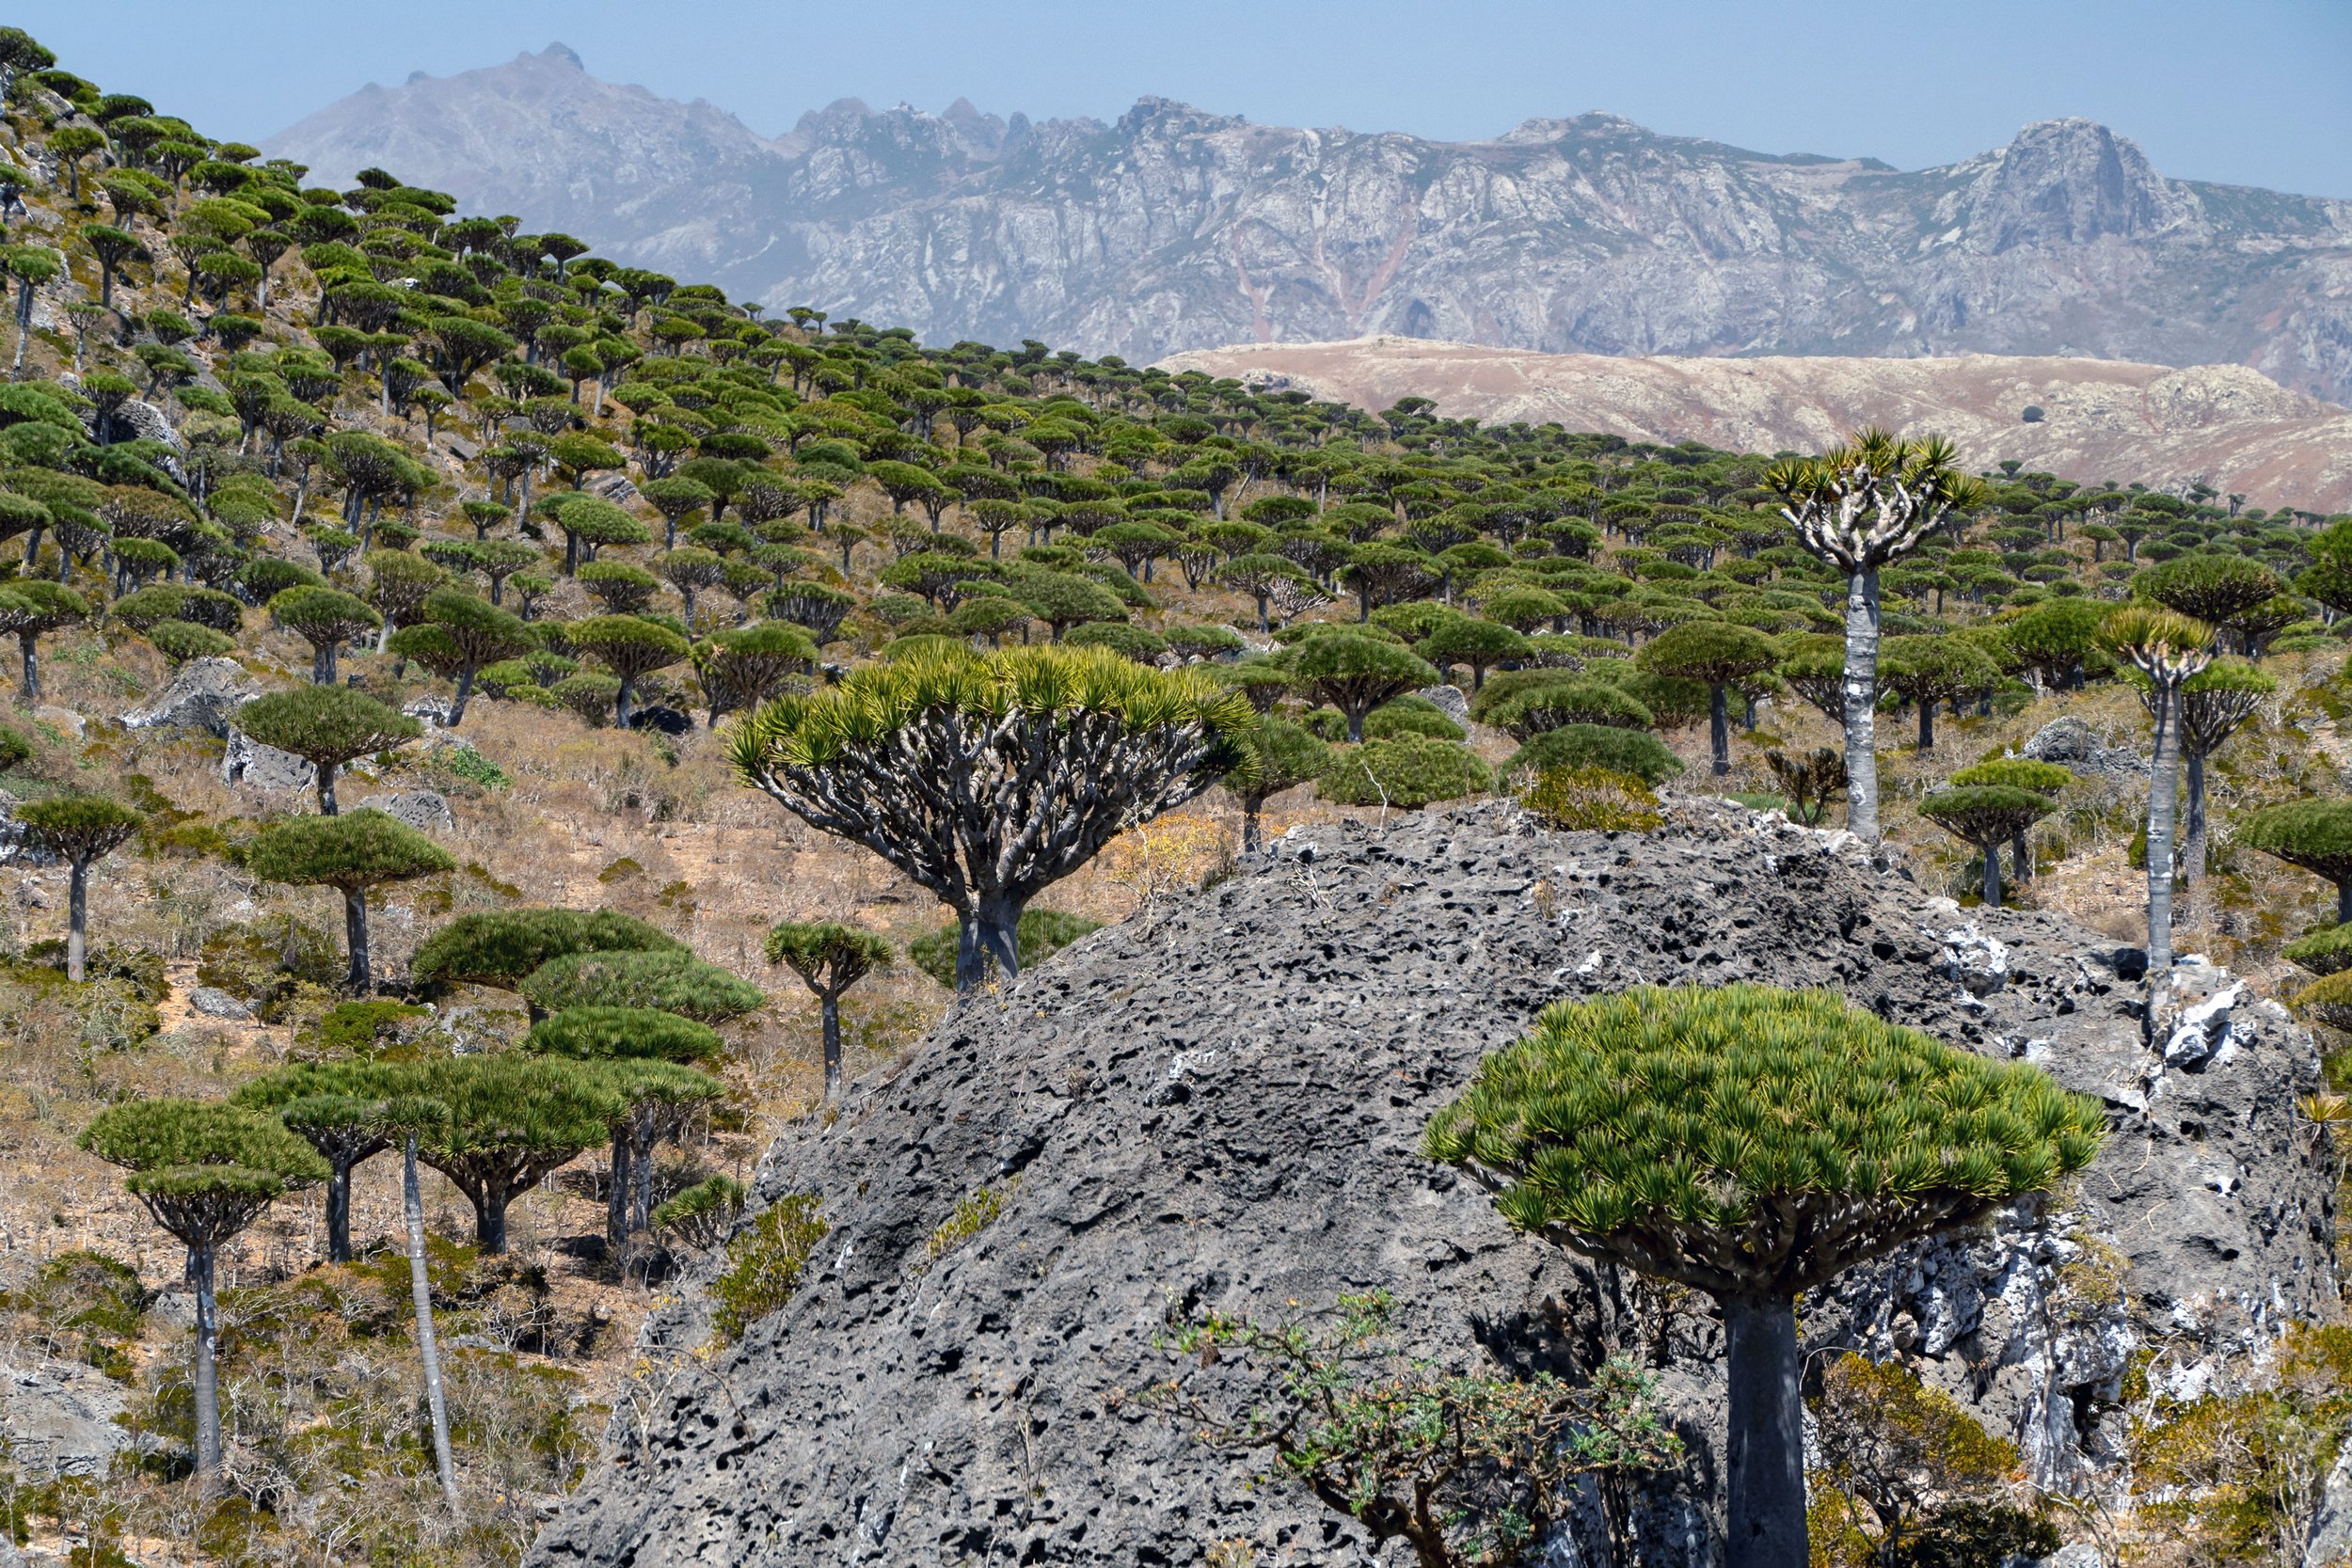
(1174, 228)
(1220, 1108)
(58, 1418)
(204, 694)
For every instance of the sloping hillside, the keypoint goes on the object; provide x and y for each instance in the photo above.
(2228, 426)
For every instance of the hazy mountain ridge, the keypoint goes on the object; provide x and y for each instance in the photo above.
(1174, 228)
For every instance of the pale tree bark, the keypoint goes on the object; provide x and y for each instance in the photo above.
(421, 1293)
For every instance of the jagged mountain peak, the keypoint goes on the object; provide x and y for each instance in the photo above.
(1176, 227)
(560, 54)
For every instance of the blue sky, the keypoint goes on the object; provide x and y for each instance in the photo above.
(2253, 93)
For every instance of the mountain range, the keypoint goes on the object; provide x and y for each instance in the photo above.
(1174, 228)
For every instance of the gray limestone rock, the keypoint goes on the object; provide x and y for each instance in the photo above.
(204, 694)
(247, 761)
(2070, 743)
(212, 1002)
(57, 1419)
(421, 809)
(1450, 701)
(1219, 1107)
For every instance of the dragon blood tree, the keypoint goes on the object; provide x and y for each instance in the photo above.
(1754, 1143)
(1859, 507)
(987, 779)
(2167, 649)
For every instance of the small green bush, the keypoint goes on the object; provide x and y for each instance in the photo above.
(764, 1263)
(1409, 715)
(1406, 771)
(1590, 800)
(1610, 747)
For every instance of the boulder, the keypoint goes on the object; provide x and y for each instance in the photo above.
(1220, 1107)
(212, 1002)
(421, 809)
(64, 720)
(2070, 743)
(1449, 701)
(204, 694)
(661, 718)
(60, 1419)
(247, 761)
(16, 847)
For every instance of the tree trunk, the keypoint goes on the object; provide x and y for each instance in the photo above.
(420, 1291)
(831, 1003)
(998, 933)
(1991, 888)
(355, 936)
(2160, 813)
(465, 689)
(1765, 1449)
(1927, 724)
(26, 643)
(2193, 843)
(339, 1212)
(620, 704)
(1861, 694)
(1719, 729)
(971, 968)
(326, 787)
(207, 1375)
(2021, 859)
(616, 1197)
(489, 1218)
(323, 664)
(643, 1134)
(77, 921)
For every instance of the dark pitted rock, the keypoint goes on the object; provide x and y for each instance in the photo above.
(421, 809)
(204, 694)
(2070, 743)
(1220, 1106)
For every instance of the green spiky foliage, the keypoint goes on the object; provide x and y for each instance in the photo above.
(1286, 757)
(669, 978)
(337, 1109)
(1466, 640)
(326, 618)
(613, 1034)
(1611, 748)
(182, 640)
(986, 779)
(2314, 834)
(476, 633)
(15, 750)
(1405, 772)
(656, 1100)
(1929, 670)
(1754, 1143)
(1411, 714)
(2216, 589)
(205, 1171)
(498, 947)
(81, 831)
(326, 726)
(1356, 673)
(505, 1121)
(1858, 508)
(1548, 704)
(1986, 815)
(352, 853)
(1814, 667)
(2041, 778)
(632, 649)
(829, 959)
(1715, 654)
(702, 1215)
(744, 668)
(2323, 953)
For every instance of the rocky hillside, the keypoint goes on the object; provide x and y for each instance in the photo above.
(1218, 1109)
(1176, 228)
(2224, 425)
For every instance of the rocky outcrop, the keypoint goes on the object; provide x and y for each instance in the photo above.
(60, 1419)
(1218, 1107)
(1174, 228)
(424, 810)
(204, 694)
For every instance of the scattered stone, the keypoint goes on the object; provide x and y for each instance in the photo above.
(421, 809)
(247, 761)
(212, 1002)
(433, 711)
(1221, 1106)
(16, 846)
(2070, 743)
(2196, 1019)
(202, 695)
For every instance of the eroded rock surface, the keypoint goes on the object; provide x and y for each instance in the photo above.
(1219, 1107)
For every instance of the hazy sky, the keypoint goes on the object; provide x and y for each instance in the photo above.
(2254, 92)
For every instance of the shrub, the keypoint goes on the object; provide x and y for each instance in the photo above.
(1591, 800)
(1602, 746)
(498, 947)
(182, 640)
(1574, 700)
(1040, 934)
(2324, 952)
(764, 1263)
(701, 1215)
(1411, 715)
(1406, 771)
(670, 979)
